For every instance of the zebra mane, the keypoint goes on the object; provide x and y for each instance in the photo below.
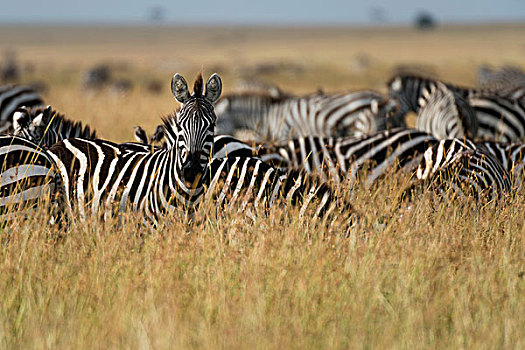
(198, 86)
(57, 121)
(46, 126)
(169, 124)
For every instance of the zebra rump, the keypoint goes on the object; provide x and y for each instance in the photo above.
(28, 175)
(511, 156)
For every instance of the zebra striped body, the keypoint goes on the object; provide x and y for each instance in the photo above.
(145, 181)
(13, 97)
(27, 175)
(463, 166)
(101, 175)
(445, 114)
(511, 156)
(344, 114)
(499, 118)
(45, 126)
(337, 158)
(343, 158)
(113, 177)
(242, 181)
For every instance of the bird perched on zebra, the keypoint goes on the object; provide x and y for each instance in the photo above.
(465, 167)
(325, 115)
(45, 126)
(499, 118)
(13, 97)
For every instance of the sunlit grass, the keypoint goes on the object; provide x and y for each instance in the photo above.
(450, 276)
(439, 275)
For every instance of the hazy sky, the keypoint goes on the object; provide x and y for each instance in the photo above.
(260, 11)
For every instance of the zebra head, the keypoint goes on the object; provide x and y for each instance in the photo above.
(31, 123)
(408, 89)
(45, 126)
(190, 133)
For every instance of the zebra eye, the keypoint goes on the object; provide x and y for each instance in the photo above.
(183, 153)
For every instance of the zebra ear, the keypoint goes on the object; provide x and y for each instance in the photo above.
(374, 106)
(213, 88)
(20, 119)
(179, 88)
(396, 84)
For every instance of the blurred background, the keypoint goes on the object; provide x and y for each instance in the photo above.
(109, 64)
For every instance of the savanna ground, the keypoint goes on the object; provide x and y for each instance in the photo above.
(438, 276)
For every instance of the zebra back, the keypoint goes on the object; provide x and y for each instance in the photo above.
(323, 115)
(344, 158)
(45, 126)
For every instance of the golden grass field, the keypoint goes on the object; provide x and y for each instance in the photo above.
(438, 276)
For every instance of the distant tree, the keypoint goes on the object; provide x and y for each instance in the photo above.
(157, 14)
(424, 21)
(377, 15)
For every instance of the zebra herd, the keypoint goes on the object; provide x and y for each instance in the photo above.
(306, 150)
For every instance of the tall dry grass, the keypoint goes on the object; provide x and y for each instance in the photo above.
(441, 275)
(437, 276)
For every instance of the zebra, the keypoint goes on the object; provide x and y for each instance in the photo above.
(152, 182)
(13, 97)
(104, 177)
(342, 159)
(223, 145)
(27, 176)
(511, 156)
(445, 114)
(45, 126)
(461, 164)
(499, 118)
(276, 119)
(332, 158)
(508, 81)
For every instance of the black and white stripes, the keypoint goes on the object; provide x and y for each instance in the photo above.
(113, 177)
(13, 97)
(344, 114)
(27, 175)
(466, 168)
(45, 126)
(499, 118)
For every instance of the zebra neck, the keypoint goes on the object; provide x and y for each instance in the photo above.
(174, 189)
